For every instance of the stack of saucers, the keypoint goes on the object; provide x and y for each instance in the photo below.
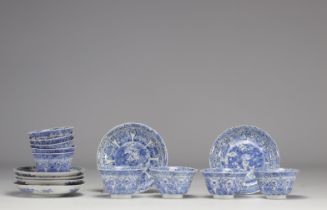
(53, 174)
(28, 180)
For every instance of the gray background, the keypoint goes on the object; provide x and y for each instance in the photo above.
(189, 69)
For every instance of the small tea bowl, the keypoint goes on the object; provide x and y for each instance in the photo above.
(276, 183)
(224, 183)
(50, 133)
(57, 140)
(59, 150)
(53, 162)
(121, 181)
(172, 181)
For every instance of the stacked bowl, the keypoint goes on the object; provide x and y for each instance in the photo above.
(52, 149)
(53, 174)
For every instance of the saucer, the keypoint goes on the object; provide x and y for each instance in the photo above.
(49, 190)
(247, 148)
(133, 144)
(30, 171)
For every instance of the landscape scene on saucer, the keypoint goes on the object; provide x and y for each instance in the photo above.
(134, 145)
(248, 148)
(53, 174)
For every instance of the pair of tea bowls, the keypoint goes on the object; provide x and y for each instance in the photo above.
(124, 181)
(226, 183)
(52, 149)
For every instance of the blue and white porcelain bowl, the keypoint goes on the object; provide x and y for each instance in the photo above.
(52, 141)
(276, 183)
(172, 181)
(51, 133)
(53, 162)
(60, 150)
(224, 183)
(121, 181)
(53, 146)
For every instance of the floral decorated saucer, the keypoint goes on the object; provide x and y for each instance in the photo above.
(247, 148)
(135, 145)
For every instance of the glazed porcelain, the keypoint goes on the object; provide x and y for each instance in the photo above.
(247, 148)
(51, 133)
(52, 141)
(49, 190)
(30, 171)
(121, 181)
(58, 150)
(224, 183)
(135, 145)
(53, 146)
(276, 183)
(53, 162)
(172, 181)
(49, 182)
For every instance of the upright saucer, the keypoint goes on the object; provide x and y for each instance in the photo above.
(133, 144)
(245, 147)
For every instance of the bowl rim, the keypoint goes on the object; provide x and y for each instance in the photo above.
(223, 171)
(277, 170)
(53, 129)
(121, 168)
(170, 169)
